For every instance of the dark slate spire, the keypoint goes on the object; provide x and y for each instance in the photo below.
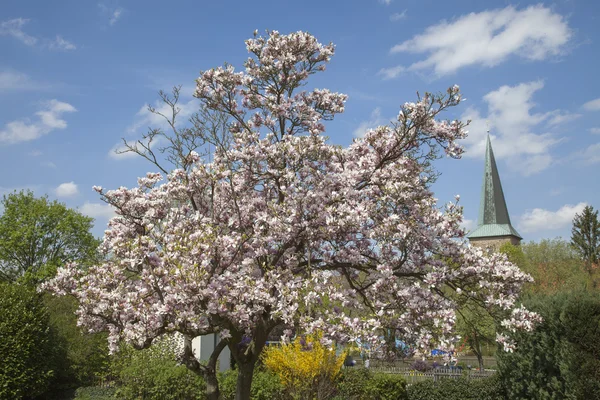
(494, 220)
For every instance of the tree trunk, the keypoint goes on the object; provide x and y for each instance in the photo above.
(480, 360)
(212, 385)
(244, 380)
(208, 371)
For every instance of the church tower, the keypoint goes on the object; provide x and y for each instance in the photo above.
(493, 225)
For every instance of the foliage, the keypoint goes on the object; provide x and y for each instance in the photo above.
(457, 389)
(361, 383)
(81, 358)
(280, 227)
(353, 383)
(560, 359)
(585, 236)
(306, 367)
(476, 327)
(387, 387)
(25, 343)
(265, 386)
(38, 235)
(553, 264)
(155, 374)
(95, 393)
(420, 365)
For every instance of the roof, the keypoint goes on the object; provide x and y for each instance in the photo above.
(493, 218)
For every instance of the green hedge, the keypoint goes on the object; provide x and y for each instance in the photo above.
(154, 374)
(26, 354)
(95, 393)
(561, 358)
(360, 383)
(457, 389)
(265, 386)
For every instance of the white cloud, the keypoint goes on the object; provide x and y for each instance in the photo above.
(386, 2)
(511, 121)
(468, 224)
(61, 44)
(374, 121)
(560, 117)
(539, 219)
(590, 155)
(398, 16)
(595, 131)
(116, 14)
(12, 80)
(144, 118)
(48, 164)
(13, 27)
(592, 105)
(67, 189)
(488, 38)
(391, 73)
(49, 119)
(97, 210)
(35, 153)
(117, 152)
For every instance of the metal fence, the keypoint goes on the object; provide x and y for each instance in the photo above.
(411, 376)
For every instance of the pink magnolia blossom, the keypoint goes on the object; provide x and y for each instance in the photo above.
(285, 228)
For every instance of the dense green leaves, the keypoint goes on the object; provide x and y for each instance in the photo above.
(585, 236)
(155, 374)
(25, 343)
(38, 235)
(457, 389)
(561, 358)
(553, 263)
(81, 358)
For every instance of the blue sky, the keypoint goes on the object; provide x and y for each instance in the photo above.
(75, 77)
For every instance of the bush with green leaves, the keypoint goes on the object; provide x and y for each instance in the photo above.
(561, 358)
(457, 389)
(265, 385)
(95, 393)
(361, 383)
(154, 374)
(26, 353)
(81, 358)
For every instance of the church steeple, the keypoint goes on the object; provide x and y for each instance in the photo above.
(493, 224)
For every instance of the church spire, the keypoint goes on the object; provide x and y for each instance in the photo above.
(493, 223)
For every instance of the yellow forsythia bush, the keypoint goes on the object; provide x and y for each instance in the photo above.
(306, 368)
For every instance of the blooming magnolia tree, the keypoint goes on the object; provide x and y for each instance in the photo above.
(281, 227)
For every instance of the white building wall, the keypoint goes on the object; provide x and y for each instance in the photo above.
(203, 346)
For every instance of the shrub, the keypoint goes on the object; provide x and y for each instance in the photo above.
(353, 383)
(81, 358)
(387, 387)
(457, 389)
(420, 365)
(265, 385)
(305, 367)
(360, 383)
(95, 393)
(25, 343)
(155, 374)
(561, 358)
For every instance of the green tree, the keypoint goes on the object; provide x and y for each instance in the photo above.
(26, 351)
(561, 358)
(585, 236)
(477, 328)
(38, 235)
(553, 264)
(81, 359)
